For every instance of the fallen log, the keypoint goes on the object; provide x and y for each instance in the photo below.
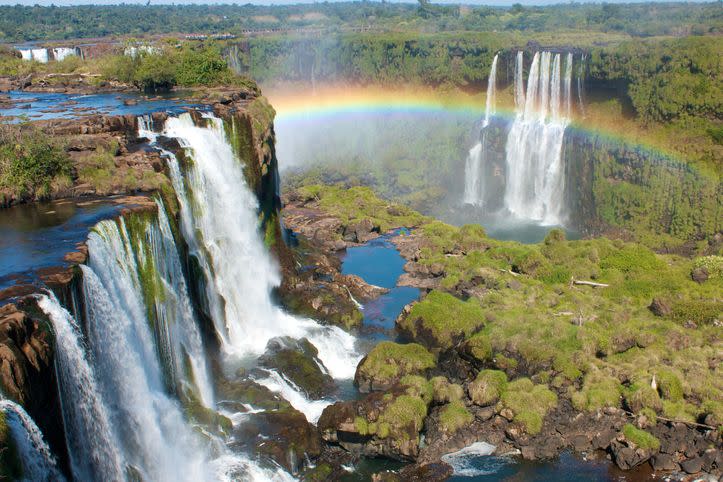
(589, 283)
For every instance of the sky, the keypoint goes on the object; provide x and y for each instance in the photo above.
(286, 2)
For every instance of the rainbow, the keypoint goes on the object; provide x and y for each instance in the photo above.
(295, 104)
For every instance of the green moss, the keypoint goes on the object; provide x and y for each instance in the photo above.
(319, 473)
(403, 418)
(480, 346)
(669, 385)
(698, 311)
(640, 396)
(598, 391)
(679, 410)
(454, 416)
(388, 362)
(444, 391)
(641, 438)
(488, 387)
(362, 426)
(529, 403)
(440, 320)
(418, 386)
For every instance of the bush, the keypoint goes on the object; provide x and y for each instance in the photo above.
(30, 161)
(712, 264)
(388, 362)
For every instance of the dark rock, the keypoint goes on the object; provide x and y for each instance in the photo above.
(360, 232)
(580, 442)
(285, 436)
(626, 457)
(660, 307)
(601, 440)
(712, 457)
(663, 462)
(692, 466)
(298, 361)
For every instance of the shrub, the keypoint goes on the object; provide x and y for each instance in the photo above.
(712, 264)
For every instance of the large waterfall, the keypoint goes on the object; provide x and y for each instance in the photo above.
(39, 464)
(535, 168)
(474, 167)
(92, 444)
(220, 223)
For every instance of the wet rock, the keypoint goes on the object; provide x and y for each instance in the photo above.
(664, 462)
(298, 361)
(626, 456)
(434, 472)
(692, 466)
(360, 232)
(285, 436)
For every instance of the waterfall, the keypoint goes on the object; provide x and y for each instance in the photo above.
(60, 53)
(535, 170)
(92, 444)
(474, 167)
(26, 54)
(39, 464)
(40, 55)
(580, 84)
(219, 221)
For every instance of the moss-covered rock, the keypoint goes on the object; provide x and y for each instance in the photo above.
(440, 320)
(598, 391)
(488, 387)
(640, 438)
(454, 416)
(298, 361)
(529, 403)
(388, 362)
(445, 391)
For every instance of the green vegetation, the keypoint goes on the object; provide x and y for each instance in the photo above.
(641, 438)
(598, 391)
(388, 362)
(360, 203)
(168, 65)
(454, 416)
(487, 388)
(600, 347)
(444, 391)
(441, 320)
(32, 164)
(21, 22)
(529, 403)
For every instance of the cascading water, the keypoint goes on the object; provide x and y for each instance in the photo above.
(92, 443)
(39, 464)
(60, 53)
(474, 167)
(40, 55)
(535, 170)
(220, 223)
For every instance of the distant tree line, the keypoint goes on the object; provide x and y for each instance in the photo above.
(26, 23)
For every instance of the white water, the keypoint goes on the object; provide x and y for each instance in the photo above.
(476, 159)
(26, 54)
(40, 55)
(466, 462)
(310, 408)
(39, 464)
(535, 167)
(92, 443)
(220, 223)
(60, 53)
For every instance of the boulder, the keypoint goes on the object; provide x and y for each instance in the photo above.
(298, 361)
(660, 307)
(360, 232)
(627, 456)
(388, 362)
(692, 466)
(699, 275)
(663, 462)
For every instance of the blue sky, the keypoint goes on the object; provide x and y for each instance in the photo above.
(284, 2)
